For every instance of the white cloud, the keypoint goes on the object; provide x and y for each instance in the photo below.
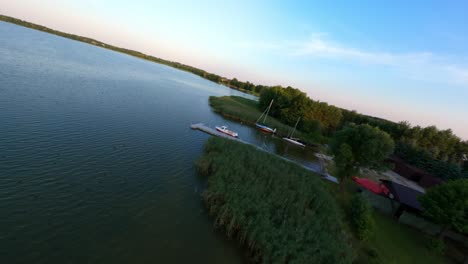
(317, 46)
(414, 65)
(460, 74)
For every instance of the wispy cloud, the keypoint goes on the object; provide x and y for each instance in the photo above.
(319, 47)
(460, 74)
(420, 65)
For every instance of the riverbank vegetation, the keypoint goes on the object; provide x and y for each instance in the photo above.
(248, 111)
(283, 213)
(278, 210)
(439, 152)
(360, 146)
(290, 104)
(447, 205)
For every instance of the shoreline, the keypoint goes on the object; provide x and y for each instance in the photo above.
(218, 103)
(177, 65)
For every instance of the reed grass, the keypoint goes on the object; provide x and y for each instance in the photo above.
(281, 212)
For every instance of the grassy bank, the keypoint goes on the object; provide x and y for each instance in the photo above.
(278, 210)
(247, 111)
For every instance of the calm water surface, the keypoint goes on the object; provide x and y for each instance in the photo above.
(96, 156)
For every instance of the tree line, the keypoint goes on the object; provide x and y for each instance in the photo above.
(317, 118)
(439, 152)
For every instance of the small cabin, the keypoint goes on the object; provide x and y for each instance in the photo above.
(410, 172)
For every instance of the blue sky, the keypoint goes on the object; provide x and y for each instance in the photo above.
(401, 60)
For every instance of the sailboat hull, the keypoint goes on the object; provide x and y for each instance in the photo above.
(292, 141)
(265, 128)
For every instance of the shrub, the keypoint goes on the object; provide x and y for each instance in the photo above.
(361, 217)
(369, 255)
(436, 245)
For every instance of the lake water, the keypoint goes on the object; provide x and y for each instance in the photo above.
(97, 158)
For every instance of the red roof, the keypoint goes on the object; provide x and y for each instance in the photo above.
(372, 186)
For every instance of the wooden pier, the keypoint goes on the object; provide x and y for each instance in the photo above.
(213, 132)
(202, 127)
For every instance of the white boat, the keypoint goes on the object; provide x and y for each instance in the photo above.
(292, 140)
(262, 125)
(223, 129)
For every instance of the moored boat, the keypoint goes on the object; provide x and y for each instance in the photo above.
(262, 126)
(292, 140)
(223, 129)
(265, 128)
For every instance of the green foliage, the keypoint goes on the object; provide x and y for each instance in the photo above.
(291, 103)
(361, 217)
(280, 211)
(436, 245)
(328, 115)
(369, 255)
(423, 159)
(441, 145)
(447, 204)
(373, 256)
(398, 243)
(345, 161)
(360, 146)
(248, 111)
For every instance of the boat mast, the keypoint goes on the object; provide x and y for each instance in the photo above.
(268, 110)
(261, 116)
(297, 122)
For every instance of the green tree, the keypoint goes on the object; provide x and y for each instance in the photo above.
(290, 104)
(361, 217)
(344, 159)
(447, 205)
(329, 116)
(360, 146)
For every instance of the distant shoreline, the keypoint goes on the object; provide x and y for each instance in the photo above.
(204, 74)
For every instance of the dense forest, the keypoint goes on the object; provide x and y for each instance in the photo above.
(438, 151)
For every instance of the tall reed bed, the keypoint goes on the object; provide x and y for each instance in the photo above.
(279, 211)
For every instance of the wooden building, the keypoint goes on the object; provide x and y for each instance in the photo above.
(420, 176)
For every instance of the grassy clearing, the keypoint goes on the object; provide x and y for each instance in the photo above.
(397, 243)
(392, 242)
(246, 111)
(280, 211)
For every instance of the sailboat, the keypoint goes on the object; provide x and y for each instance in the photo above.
(292, 140)
(262, 126)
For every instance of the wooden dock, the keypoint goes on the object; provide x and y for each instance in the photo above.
(213, 132)
(202, 127)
